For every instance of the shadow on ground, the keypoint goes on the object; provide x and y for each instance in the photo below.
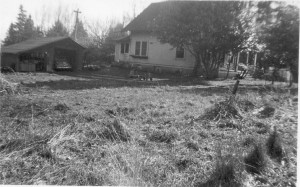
(109, 83)
(242, 89)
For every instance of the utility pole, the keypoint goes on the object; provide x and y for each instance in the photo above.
(0, 54)
(76, 23)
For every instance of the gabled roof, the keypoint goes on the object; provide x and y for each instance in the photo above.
(31, 44)
(144, 20)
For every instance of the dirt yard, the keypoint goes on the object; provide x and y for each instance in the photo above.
(97, 128)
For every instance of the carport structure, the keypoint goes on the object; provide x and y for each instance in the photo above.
(43, 54)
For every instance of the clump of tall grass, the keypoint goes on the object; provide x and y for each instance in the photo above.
(116, 131)
(256, 160)
(228, 172)
(8, 87)
(274, 146)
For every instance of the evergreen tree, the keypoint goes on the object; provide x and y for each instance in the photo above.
(81, 32)
(39, 32)
(11, 37)
(29, 30)
(58, 29)
(23, 29)
(20, 25)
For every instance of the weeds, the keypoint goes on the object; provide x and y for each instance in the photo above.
(62, 107)
(222, 110)
(227, 173)
(116, 131)
(7, 87)
(274, 146)
(256, 160)
(151, 143)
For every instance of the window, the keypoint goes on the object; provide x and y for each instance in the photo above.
(124, 48)
(144, 49)
(137, 48)
(141, 48)
(179, 52)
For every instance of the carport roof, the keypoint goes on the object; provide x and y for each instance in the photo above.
(31, 44)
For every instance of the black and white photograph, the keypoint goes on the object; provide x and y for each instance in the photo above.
(151, 93)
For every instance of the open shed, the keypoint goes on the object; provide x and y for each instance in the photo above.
(43, 54)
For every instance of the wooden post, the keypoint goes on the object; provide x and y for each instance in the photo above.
(255, 58)
(235, 87)
(247, 62)
(237, 62)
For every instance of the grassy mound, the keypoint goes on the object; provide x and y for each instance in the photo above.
(116, 131)
(62, 107)
(222, 110)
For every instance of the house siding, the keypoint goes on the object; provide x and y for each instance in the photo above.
(159, 55)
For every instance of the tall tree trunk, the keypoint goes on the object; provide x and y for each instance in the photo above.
(196, 66)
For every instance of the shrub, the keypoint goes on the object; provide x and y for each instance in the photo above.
(258, 74)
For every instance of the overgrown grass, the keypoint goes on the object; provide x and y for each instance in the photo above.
(146, 136)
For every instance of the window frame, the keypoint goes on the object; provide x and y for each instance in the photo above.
(141, 49)
(124, 48)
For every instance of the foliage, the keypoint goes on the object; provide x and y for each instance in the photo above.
(258, 74)
(208, 30)
(82, 34)
(279, 33)
(101, 48)
(58, 29)
(22, 30)
(11, 35)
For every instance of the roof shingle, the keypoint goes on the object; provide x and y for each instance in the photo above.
(32, 44)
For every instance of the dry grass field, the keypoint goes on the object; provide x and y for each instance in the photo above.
(86, 129)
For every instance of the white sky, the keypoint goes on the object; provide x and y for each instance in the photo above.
(47, 10)
(92, 11)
